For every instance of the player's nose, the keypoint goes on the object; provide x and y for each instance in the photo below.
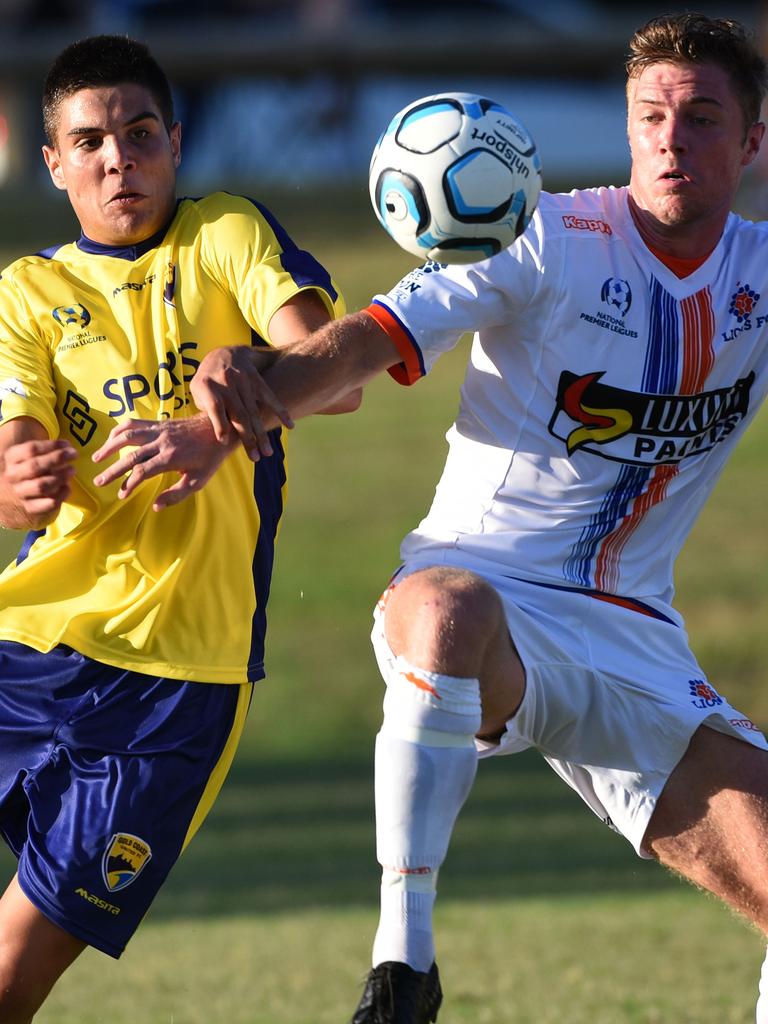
(672, 136)
(118, 155)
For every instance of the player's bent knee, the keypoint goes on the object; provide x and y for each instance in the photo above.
(444, 619)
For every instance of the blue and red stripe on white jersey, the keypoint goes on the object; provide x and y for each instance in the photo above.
(602, 397)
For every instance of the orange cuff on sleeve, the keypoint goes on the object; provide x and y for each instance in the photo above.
(412, 367)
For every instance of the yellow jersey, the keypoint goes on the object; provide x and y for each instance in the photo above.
(91, 335)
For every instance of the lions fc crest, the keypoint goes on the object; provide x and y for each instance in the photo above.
(124, 860)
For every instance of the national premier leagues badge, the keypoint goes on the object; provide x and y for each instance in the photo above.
(125, 858)
(72, 316)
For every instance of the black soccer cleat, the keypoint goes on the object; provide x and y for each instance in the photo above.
(396, 994)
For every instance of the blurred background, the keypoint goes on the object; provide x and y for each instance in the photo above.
(283, 100)
(295, 92)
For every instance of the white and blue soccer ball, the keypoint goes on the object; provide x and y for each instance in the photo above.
(455, 178)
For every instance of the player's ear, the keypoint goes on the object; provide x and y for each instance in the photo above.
(175, 134)
(752, 143)
(53, 163)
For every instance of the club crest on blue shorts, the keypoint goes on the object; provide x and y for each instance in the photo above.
(124, 860)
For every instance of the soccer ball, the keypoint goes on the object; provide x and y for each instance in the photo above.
(455, 178)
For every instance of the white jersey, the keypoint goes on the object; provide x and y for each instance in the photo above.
(602, 398)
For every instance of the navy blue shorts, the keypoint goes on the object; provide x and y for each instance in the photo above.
(105, 775)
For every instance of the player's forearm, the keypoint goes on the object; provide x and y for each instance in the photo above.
(350, 402)
(318, 371)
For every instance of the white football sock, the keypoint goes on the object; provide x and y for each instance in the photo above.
(761, 1012)
(425, 766)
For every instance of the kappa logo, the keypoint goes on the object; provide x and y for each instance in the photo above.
(124, 860)
(743, 301)
(744, 723)
(572, 223)
(617, 292)
(72, 316)
(705, 696)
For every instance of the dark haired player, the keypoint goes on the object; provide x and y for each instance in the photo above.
(129, 641)
(607, 386)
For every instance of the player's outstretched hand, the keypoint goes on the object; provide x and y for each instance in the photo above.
(36, 478)
(229, 389)
(187, 446)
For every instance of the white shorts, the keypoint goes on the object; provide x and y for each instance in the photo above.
(613, 693)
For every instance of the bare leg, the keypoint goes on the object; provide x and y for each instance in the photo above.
(34, 953)
(711, 825)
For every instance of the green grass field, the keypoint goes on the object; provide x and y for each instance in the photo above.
(544, 916)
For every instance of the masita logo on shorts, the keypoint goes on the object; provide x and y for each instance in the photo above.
(97, 901)
(124, 860)
(703, 694)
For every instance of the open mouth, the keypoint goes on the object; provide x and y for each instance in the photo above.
(126, 197)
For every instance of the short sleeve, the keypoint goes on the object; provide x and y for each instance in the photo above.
(429, 310)
(26, 368)
(253, 257)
